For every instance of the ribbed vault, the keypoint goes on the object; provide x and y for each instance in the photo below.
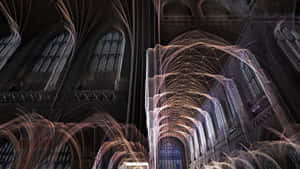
(181, 76)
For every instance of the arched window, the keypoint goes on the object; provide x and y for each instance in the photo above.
(51, 63)
(202, 138)
(109, 53)
(220, 114)
(105, 64)
(210, 128)
(289, 41)
(170, 156)
(10, 38)
(228, 112)
(8, 46)
(6, 155)
(251, 79)
(53, 53)
(231, 111)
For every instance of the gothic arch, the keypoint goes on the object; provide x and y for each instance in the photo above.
(180, 149)
(187, 136)
(55, 63)
(172, 104)
(103, 61)
(8, 47)
(26, 78)
(288, 39)
(189, 122)
(252, 81)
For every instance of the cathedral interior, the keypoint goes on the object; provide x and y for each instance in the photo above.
(149, 84)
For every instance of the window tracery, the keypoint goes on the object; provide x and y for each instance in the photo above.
(108, 54)
(170, 156)
(51, 62)
(288, 40)
(6, 155)
(105, 62)
(8, 46)
(252, 81)
(53, 53)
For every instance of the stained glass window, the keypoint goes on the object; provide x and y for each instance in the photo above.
(8, 46)
(288, 39)
(222, 122)
(108, 53)
(232, 112)
(6, 155)
(170, 156)
(228, 111)
(254, 86)
(46, 71)
(52, 55)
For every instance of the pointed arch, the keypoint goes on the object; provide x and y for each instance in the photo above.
(58, 47)
(105, 62)
(8, 46)
(46, 71)
(171, 154)
(108, 53)
(288, 39)
(252, 81)
(11, 39)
